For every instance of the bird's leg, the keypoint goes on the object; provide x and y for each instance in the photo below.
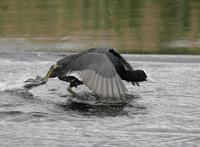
(135, 84)
(39, 80)
(49, 73)
(69, 89)
(74, 82)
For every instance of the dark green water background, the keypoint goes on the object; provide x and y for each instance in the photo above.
(131, 26)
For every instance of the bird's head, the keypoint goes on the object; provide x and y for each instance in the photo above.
(138, 76)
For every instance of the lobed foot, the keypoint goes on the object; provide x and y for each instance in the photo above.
(34, 82)
(69, 89)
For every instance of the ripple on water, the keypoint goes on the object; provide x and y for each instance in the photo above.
(160, 114)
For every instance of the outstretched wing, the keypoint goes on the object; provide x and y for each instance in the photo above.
(98, 74)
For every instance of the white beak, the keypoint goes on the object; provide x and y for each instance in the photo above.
(149, 79)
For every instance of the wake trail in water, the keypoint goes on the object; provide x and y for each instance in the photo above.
(14, 73)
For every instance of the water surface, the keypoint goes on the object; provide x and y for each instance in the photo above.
(165, 113)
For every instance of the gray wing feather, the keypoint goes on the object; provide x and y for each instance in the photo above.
(92, 61)
(115, 88)
(109, 89)
(98, 89)
(98, 74)
(104, 87)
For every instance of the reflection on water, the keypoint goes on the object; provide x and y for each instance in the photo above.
(133, 26)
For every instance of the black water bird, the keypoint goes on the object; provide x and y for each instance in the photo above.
(100, 69)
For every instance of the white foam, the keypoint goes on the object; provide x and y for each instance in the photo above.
(14, 73)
